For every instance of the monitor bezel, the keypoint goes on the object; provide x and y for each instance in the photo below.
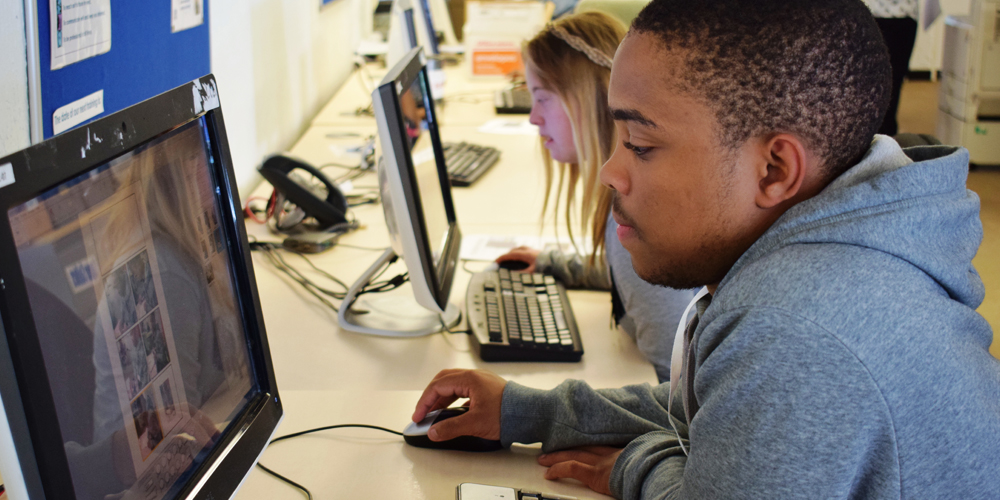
(24, 385)
(431, 284)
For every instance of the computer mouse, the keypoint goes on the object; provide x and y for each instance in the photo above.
(513, 265)
(415, 434)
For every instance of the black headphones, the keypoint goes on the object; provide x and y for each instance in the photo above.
(277, 170)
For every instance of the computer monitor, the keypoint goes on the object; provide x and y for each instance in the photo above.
(429, 33)
(411, 25)
(419, 212)
(133, 357)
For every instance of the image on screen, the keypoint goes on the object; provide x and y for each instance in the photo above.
(132, 291)
(414, 105)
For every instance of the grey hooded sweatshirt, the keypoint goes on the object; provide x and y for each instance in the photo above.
(840, 357)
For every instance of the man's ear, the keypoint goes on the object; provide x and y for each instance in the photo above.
(784, 168)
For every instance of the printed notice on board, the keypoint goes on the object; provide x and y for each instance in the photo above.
(77, 112)
(185, 14)
(80, 29)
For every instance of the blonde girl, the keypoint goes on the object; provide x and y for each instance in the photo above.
(567, 68)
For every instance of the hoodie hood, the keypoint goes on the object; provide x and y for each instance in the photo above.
(911, 204)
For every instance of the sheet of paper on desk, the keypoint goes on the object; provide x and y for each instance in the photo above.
(487, 247)
(509, 126)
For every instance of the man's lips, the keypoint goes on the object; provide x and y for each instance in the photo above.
(626, 228)
(624, 233)
(621, 219)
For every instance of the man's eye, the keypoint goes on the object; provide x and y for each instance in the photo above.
(637, 150)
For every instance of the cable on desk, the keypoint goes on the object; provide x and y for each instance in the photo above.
(339, 165)
(356, 200)
(270, 250)
(285, 479)
(321, 271)
(372, 249)
(297, 434)
(447, 339)
(352, 174)
(268, 210)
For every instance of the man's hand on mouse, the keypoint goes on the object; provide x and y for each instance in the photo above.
(591, 465)
(524, 254)
(484, 390)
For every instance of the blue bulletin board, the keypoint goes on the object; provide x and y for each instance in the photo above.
(145, 59)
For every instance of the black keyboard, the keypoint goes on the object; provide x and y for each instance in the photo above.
(516, 316)
(468, 162)
(516, 100)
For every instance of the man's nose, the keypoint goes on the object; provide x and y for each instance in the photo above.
(613, 174)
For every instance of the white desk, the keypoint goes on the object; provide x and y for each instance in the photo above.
(328, 376)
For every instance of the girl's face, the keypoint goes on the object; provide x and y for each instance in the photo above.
(554, 126)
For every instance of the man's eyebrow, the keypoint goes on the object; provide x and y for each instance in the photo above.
(632, 115)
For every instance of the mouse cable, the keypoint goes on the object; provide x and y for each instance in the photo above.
(445, 329)
(297, 434)
(447, 338)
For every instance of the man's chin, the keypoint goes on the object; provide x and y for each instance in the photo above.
(670, 275)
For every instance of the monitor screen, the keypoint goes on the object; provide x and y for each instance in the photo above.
(417, 203)
(140, 316)
(414, 104)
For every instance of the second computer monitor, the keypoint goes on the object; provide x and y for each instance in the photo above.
(419, 206)
(419, 214)
(414, 181)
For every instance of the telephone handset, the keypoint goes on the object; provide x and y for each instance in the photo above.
(279, 171)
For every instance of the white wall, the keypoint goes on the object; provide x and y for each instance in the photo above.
(930, 44)
(14, 133)
(277, 62)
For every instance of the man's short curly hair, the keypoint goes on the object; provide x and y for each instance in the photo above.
(815, 68)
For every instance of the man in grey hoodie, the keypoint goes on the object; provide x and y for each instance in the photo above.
(839, 353)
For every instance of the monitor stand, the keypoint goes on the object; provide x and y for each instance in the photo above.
(391, 315)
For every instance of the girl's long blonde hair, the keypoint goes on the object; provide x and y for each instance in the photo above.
(582, 87)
